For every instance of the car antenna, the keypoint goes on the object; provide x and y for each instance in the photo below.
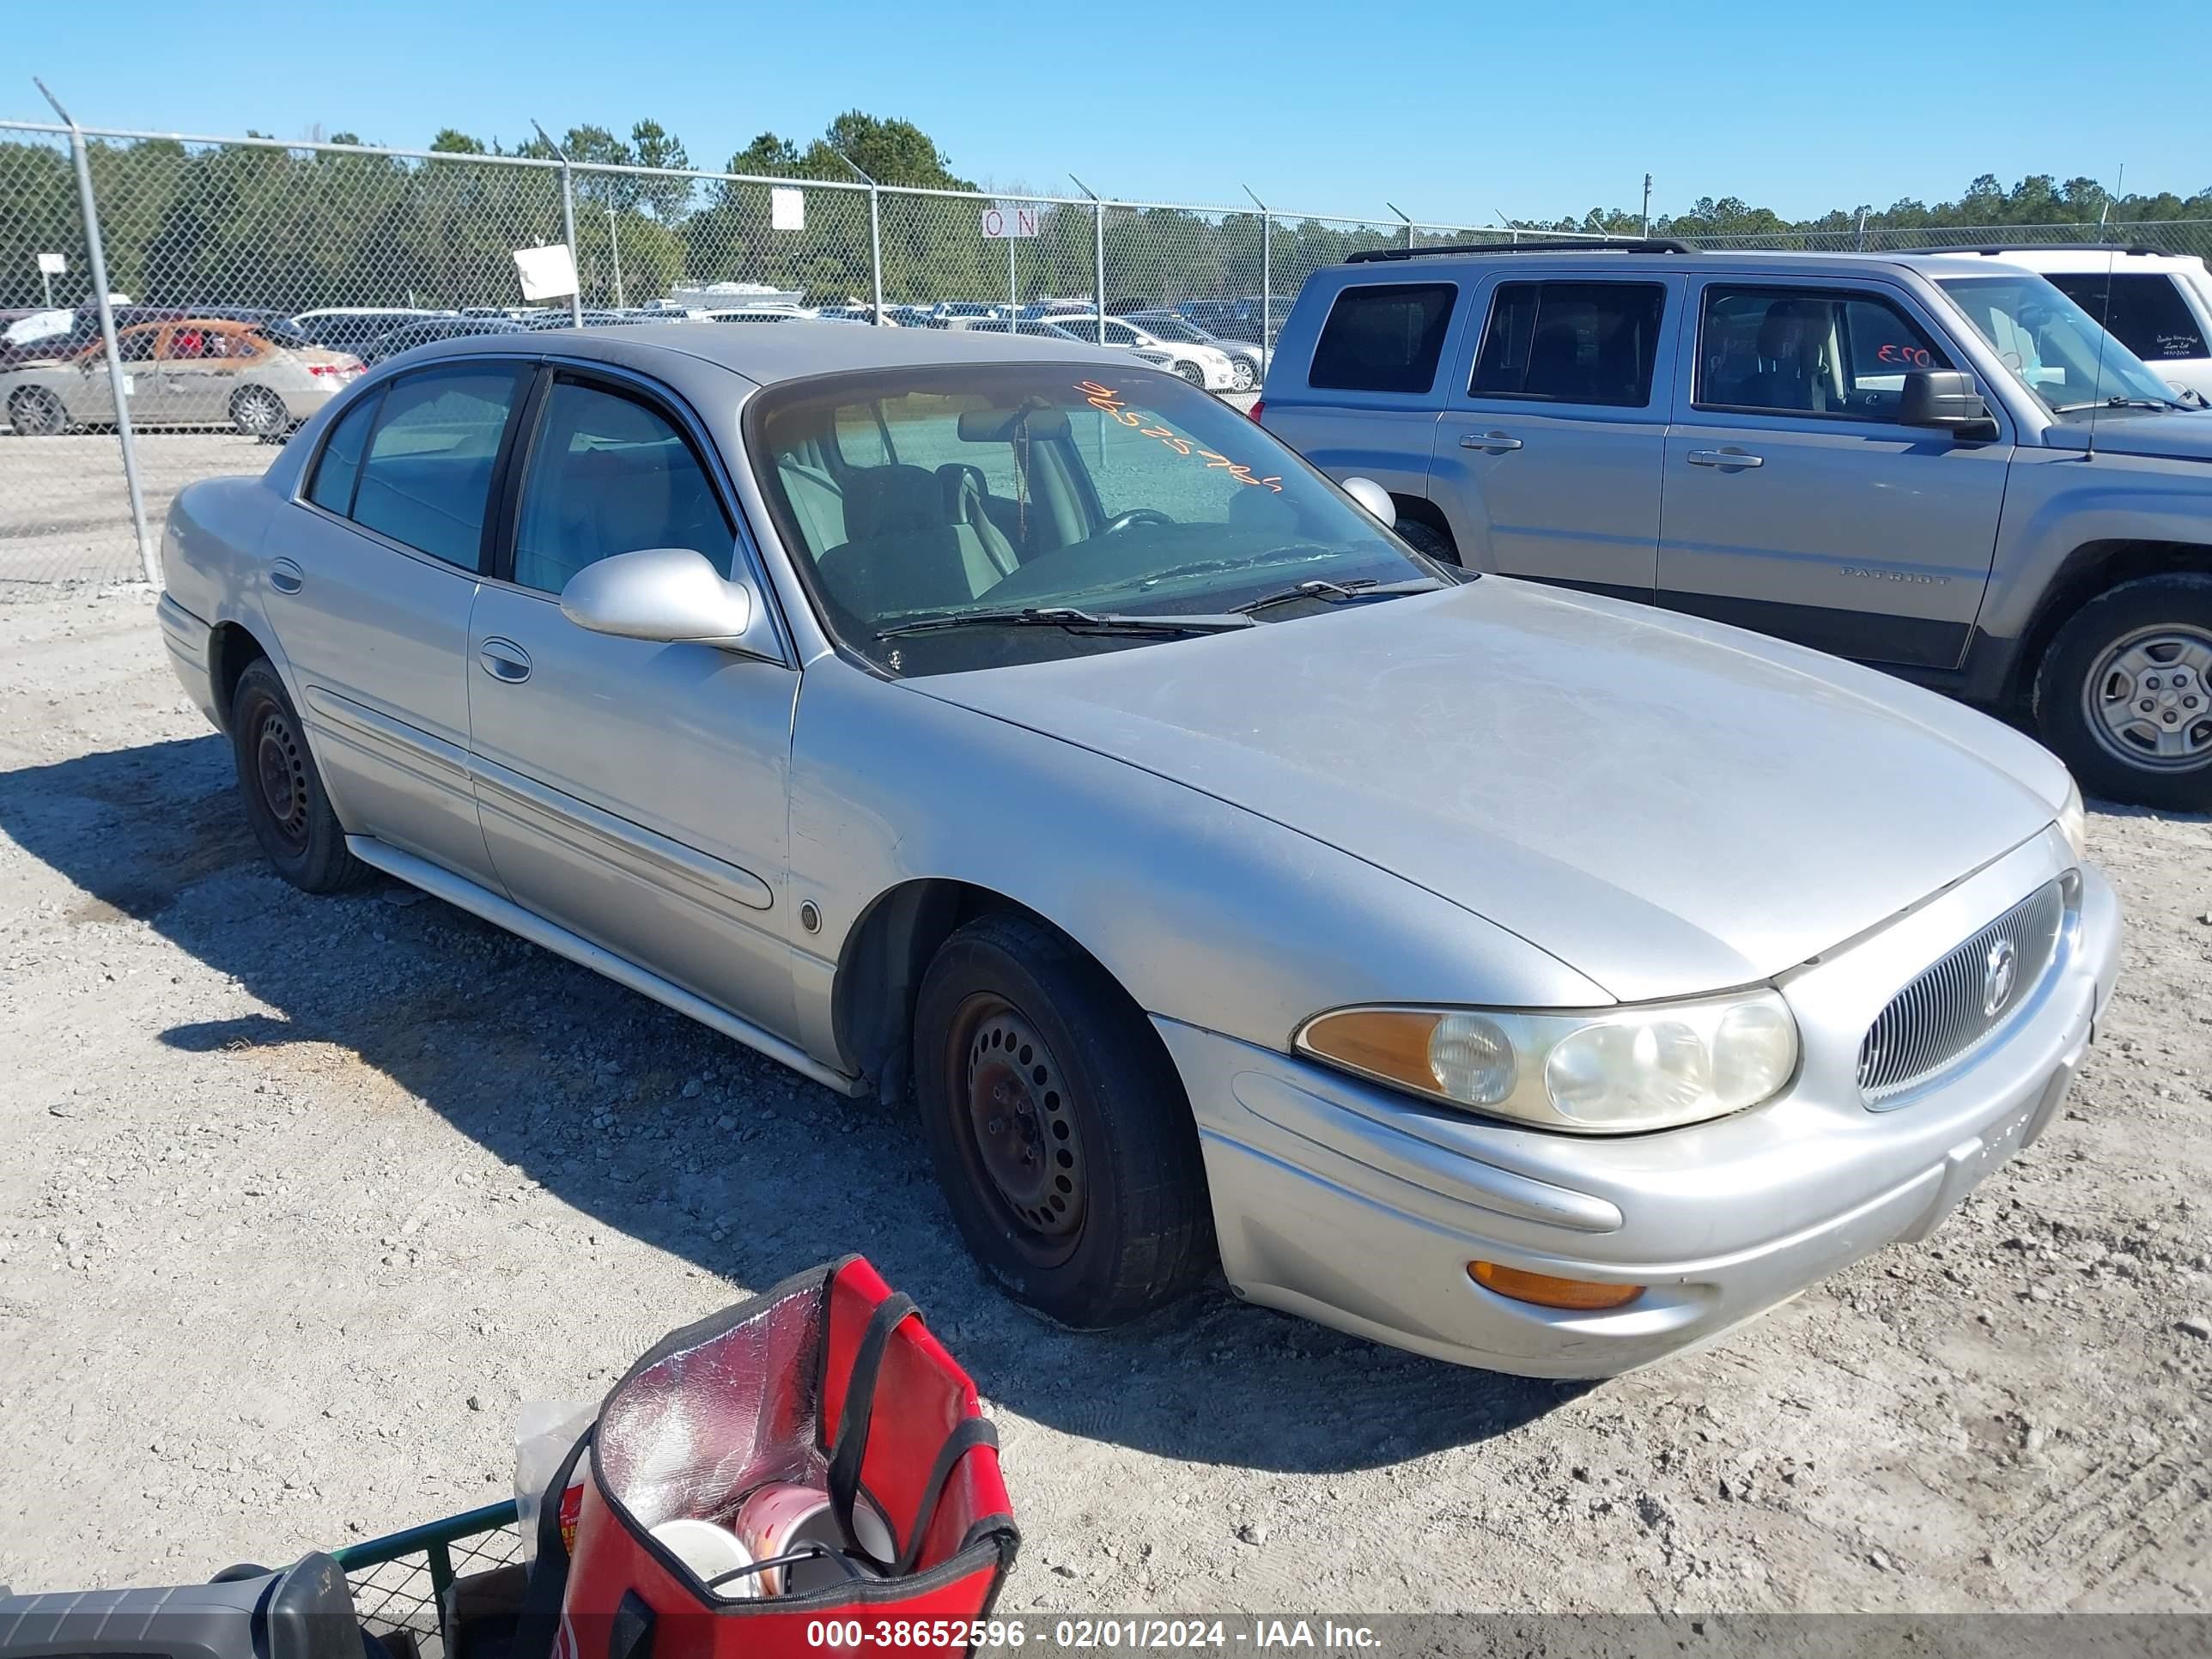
(2104, 322)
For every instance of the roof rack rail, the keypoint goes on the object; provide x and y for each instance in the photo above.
(1997, 251)
(1557, 244)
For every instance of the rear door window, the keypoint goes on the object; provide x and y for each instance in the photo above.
(426, 479)
(2148, 315)
(1571, 343)
(1383, 338)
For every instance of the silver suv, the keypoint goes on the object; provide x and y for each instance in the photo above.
(1936, 463)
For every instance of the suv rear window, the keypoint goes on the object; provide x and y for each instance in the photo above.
(1383, 339)
(2150, 317)
(1571, 343)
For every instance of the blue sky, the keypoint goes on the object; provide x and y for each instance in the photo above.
(1454, 111)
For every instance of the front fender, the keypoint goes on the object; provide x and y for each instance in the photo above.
(2057, 502)
(1204, 912)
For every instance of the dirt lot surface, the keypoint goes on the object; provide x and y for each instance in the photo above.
(300, 1198)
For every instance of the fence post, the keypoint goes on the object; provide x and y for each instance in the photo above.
(1097, 255)
(1267, 278)
(875, 232)
(149, 560)
(569, 226)
(1400, 212)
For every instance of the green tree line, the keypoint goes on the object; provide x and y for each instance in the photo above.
(290, 229)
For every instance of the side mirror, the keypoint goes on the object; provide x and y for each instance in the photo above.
(1947, 399)
(666, 593)
(1374, 499)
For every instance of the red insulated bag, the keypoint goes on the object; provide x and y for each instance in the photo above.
(829, 1380)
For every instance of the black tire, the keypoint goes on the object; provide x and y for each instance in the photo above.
(258, 412)
(2147, 641)
(35, 412)
(285, 801)
(1426, 539)
(1015, 1026)
(1192, 373)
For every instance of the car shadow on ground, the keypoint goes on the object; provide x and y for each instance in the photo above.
(606, 1099)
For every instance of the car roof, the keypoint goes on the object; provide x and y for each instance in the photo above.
(2086, 260)
(801, 349)
(1425, 265)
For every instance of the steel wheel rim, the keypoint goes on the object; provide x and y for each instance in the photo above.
(280, 770)
(1012, 1099)
(2148, 699)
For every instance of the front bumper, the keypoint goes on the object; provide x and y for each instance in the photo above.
(1359, 1207)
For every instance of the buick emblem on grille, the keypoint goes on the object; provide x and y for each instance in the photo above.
(1997, 976)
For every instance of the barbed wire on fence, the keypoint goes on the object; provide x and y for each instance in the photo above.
(341, 247)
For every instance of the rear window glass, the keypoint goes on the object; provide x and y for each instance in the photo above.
(426, 480)
(2148, 315)
(1383, 339)
(1571, 343)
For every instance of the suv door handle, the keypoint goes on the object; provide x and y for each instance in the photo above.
(1495, 442)
(285, 577)
(1727, 457)
(504, 660)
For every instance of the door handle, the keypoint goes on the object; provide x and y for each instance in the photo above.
(1730, 459)
(504, 660)
(1495, 442)
(285, 577)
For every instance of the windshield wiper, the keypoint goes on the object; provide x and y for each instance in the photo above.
(1073, 621)
(1330, 592)
(2120, 402)
(1284, 555)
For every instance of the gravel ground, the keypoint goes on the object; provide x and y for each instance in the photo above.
(302, 1197)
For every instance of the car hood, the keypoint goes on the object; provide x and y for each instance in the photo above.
(1667, 805)
(2176, 435)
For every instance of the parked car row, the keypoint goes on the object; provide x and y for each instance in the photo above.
(1520, 975)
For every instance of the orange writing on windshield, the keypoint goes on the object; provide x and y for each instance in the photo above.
(1108, 401)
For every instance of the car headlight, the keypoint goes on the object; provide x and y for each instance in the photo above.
(1611, 1072)
(2073, 821)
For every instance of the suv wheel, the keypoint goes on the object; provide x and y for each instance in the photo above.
(2125, 693)
(1059, 1131)
(1426, 539)
(285, 801)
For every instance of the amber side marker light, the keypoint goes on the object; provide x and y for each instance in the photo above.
(1580, 1295)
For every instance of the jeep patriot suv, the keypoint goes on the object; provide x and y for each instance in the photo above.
(1936, 463)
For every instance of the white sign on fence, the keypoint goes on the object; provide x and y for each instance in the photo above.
(548, 272)
(53, 264)
(1009, 221)
(787, 209)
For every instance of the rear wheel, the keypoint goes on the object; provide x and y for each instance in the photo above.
(285, 801)
(1245, 375)
(1426, 539)
(37, 413)
(2125, 693)
(1058, 1126)
(258, 412)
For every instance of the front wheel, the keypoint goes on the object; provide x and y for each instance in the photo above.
(1059, 1131)
(2125, 693)
(1192, 373)
(35, 412)
(258, 412)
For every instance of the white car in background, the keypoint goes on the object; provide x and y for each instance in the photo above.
(2160, 303)
(1246, 360)
(1205, 366)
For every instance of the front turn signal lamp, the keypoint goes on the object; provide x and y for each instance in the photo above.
(1575, 1295)
(1613, 1071)
(2074, 822)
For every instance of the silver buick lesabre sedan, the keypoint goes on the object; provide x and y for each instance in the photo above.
(1527, 979)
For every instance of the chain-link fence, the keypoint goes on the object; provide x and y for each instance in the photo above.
(247, 278)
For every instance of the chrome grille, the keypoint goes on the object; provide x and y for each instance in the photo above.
(1952, 1008)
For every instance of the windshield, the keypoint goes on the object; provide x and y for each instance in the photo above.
(916, 493)
(2053, 347)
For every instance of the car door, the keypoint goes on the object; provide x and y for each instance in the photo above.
(1548, 457)
(93, 395)
(631, 790)
(1796, 504)
(369, 588)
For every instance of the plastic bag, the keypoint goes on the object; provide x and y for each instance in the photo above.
(544, 1430)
